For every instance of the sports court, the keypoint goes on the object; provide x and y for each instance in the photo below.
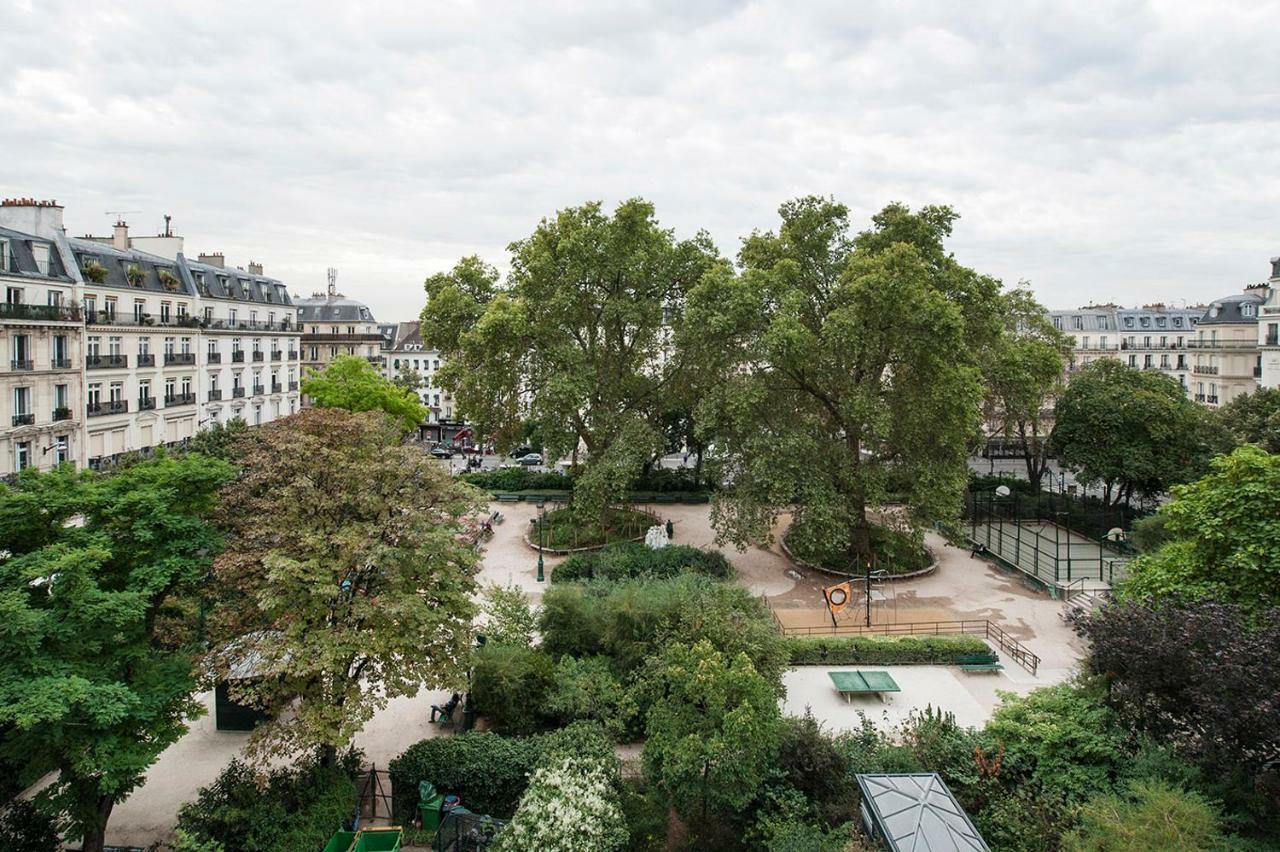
(1049, 552)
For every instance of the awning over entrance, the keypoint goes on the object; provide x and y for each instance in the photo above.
(916, 813)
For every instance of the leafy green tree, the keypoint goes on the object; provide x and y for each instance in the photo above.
(97, 599)
(850, 358)
(1151, 815)
(570, 804)
(712, 727)
(1222, 536)
(352, 383)
(509, 620)
(1023, 373)
(218, 440)
(1254, 418)
(1133, 431)
(408, 379)
(347, 580)
(576, 341)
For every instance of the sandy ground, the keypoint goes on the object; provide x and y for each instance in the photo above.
(961, 588)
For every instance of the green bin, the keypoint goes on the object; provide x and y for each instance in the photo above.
(340, 842)
(378, 840)
(429, 804)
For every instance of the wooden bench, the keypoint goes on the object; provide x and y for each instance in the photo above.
(987, 662)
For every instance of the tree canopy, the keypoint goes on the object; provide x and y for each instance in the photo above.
(352, 383)
(1132, 431)
(1222, 536)
(1023, 373)
(850, 360)
(96, 652)
(347, 580)
(1254, 418)
(576, 341)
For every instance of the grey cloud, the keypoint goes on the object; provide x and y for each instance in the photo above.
(1101, 150)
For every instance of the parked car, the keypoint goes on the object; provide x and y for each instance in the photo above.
(520, 452)
(531, 459)
(442, 452)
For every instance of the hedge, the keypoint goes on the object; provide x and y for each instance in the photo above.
(518, 479)
(630, 561)
(882, 650)
(486, 771)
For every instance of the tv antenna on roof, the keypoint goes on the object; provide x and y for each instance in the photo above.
(119, 214)
(333, 281)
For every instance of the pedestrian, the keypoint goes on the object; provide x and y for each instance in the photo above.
(671, 530)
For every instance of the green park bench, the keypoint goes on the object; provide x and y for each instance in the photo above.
(987, 662)
(849, 684)
(508, 498)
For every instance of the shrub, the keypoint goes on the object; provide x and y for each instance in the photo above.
(24, 828)
(634, 619)
(570, 804)
(291, 808)
(634, 560)
(880, 650)
(94, 271)
(510, 686)
(646, 811)
(518, 479)
(509, 619)
(895, 552)
(488, 772)
(663, 480)
(587, 689)
(1152, 815)
(571, 528)
(810, 763)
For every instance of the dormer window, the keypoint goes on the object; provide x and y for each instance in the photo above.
(1177, 322)
(1128, 322)
(1247, 310)
(1213, 311)
(1160, 321)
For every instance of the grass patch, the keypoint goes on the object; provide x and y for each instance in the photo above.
(568, 530)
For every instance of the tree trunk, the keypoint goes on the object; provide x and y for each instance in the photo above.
(95, 840)
(328, 756)
(697, 469)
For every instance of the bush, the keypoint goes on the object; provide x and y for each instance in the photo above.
(488, 772)
(24, 828)
(662, 480)
(570, 804)
(635, 560)
(895, 552)
(587, 689)
(811, 764)
(292, 808)
(1152, 815)
(646, 811)
(509, 620)
(518, 479)
(569, 528)
(882, 650)
(631, 620)
(510, 686)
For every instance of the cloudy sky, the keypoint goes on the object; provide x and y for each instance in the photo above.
(1122, 151)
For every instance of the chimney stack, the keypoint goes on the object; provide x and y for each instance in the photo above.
(120, 235)
(42, 218)
(255, 268)
(214, 259)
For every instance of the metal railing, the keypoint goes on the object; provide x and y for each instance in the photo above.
(1205, 369)
(277, 355)
(146, 403)
(214, 358)
(215, 395)
(96, 362)
(237, 393)
(62, 413)
(180, 358)
(188, 398)
(146, 359)
(23, 419)
(237, 357)
(95, 409)
(60, 364)
(51, 313)
(257, 355)
(22, 364)
(1020, 653)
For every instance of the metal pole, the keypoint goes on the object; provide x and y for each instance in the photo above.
(869, 567)
(542, 518)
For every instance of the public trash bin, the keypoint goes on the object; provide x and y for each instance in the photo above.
(340, 842)
(378, 840)
(430, 803)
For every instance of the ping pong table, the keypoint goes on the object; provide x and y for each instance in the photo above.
(849, 684)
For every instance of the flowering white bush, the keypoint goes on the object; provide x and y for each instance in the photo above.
(569, 806)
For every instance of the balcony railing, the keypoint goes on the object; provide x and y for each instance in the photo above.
(293, 386)
(146, 359)
(62, 413)
(49, 313)
(237, 393)
(1205, 370)
(1257, 372)
(276, 355)
(101, 362)
(188, 398)
(276, 387)
(215, 395)
(1273, 340)
(23, 419)
(1199, 397)
(374, 359)
(60, 363)
(22, 364)
(259, 390)
(1211, 399)
(1222, 344)
(237, 357)
(179, 358)
(293, 355)
(214, 358)
(146, 403)
(97, 409)
(257, 355)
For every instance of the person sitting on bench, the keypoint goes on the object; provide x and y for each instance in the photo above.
(446, 712)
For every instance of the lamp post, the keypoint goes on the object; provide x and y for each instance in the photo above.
(540, 523)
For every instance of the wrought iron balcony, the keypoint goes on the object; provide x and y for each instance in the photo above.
(188, 398)
(23, 419)
(259, 390)
(62, 413)
(237, 393)
(179, 358)
(237, 356)
(60, 363)
(1205, 370)
(293, 355)
(215, 395)
(22, 364)
(146, 359)
(50, 313)
(97, 409)
(214, 358)
(101, 362)
(276, 355)
(258, 355)
(146, 403)
(276, 387)
(293, 386)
